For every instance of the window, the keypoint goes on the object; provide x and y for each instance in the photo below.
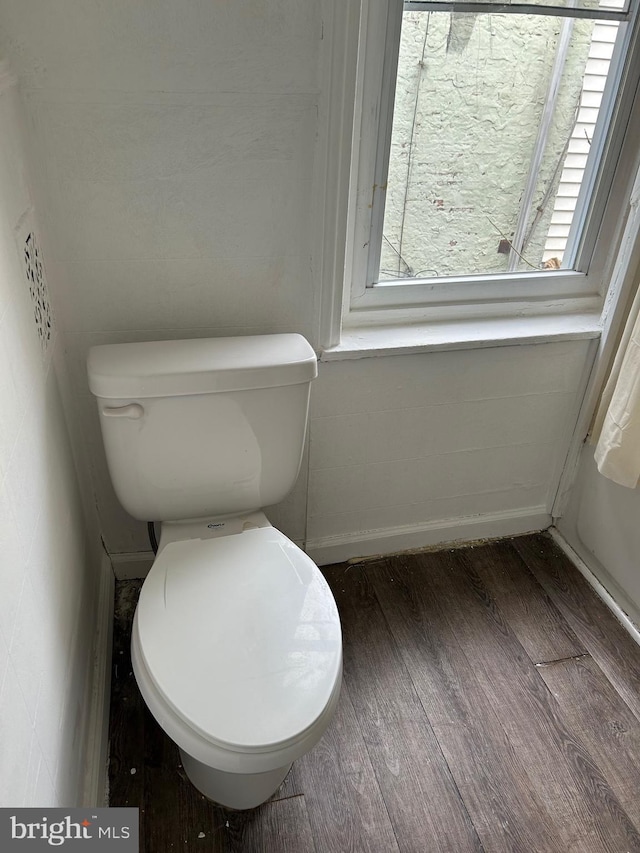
(487, 146)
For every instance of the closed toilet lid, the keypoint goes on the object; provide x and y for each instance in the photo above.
(241, 636)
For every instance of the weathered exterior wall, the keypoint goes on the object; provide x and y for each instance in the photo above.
(469, 99)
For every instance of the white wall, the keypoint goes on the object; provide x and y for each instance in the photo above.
(601, 524)
(49, 573)
(410, 450)
(178, 154)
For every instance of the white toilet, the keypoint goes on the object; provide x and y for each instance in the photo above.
(236, 642)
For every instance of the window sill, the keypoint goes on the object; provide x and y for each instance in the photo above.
(371, 341)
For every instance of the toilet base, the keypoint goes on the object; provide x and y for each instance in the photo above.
(233, 790)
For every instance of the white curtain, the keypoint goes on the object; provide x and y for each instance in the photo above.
(617, 424)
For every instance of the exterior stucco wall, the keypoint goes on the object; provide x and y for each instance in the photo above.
(469, 100)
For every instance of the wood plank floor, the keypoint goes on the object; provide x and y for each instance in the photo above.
(490, 702)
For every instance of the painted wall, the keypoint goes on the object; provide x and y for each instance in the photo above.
(178, 153)
(176, 147)
(48, 571)
(413, 449)
(601, 524)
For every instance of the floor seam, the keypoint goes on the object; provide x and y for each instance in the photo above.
(282, 799)
(562, 660)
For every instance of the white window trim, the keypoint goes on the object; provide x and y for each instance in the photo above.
(505, 305)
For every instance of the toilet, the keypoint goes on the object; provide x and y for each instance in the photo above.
(236, 642)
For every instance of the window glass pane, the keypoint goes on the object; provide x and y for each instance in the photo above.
(493, 122)
(614, 5)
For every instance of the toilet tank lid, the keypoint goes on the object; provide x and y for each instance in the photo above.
(199, 366)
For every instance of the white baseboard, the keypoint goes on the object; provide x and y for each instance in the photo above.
(97, 744)
(137, 564)
(391, 540)
(367, 543)
(590, 574)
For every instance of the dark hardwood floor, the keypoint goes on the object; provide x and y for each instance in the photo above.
(491, 702)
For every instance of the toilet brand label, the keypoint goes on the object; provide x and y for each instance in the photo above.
(69, 829)
(216, 526)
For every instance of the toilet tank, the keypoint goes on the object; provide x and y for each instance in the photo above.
(204, 427)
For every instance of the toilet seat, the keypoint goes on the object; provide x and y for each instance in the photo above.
(240, 637)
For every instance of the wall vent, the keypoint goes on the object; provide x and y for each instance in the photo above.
(36, 281)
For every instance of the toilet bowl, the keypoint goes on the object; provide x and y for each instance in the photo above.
(236, 643)
(241, 666)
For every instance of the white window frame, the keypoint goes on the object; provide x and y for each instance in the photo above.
(580, 289)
